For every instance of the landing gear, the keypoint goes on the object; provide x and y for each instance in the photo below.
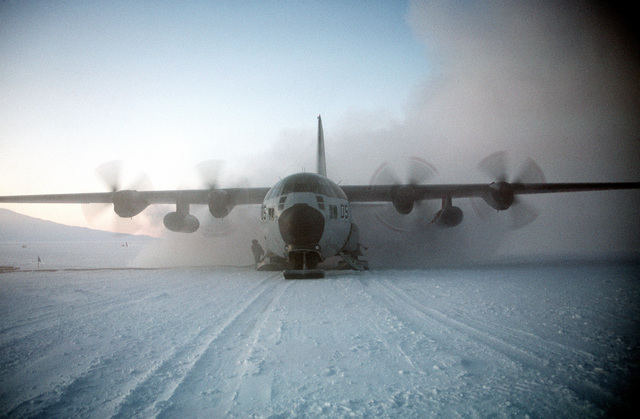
(304, 260)
(303, 266)
(353, 262)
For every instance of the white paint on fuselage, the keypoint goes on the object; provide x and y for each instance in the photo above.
(327, 198)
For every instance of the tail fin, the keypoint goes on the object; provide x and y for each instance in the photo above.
(322, 163)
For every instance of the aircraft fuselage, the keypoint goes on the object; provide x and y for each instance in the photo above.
(306, 218)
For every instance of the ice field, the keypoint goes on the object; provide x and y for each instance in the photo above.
(538, 339)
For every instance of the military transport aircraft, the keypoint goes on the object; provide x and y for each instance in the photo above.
(306, 218)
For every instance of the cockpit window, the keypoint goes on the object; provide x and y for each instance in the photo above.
(306, 182)
(274, 191)
(301, 183)
(337, 192)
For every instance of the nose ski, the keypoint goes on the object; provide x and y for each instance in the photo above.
(303, 274)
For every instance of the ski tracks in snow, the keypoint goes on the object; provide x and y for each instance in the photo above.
(187, 375)
(54, 332)
(150, 352)
(227, 342)
(545, 359)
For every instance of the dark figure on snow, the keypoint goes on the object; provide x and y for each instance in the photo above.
(257, 250)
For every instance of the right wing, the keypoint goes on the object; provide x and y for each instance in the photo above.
(386, 193)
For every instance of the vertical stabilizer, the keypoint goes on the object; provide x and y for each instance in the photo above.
(322, 163)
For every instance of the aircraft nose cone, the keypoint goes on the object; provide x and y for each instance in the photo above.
(301, 225)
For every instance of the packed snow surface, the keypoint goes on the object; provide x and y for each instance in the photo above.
(544, 340)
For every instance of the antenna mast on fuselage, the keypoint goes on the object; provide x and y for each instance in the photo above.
(322, 163)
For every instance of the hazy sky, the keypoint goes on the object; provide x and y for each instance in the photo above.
(165, 85)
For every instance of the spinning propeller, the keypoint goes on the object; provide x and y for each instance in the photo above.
(501, 196)
(406, 214)
(212, 174)
(124, 201)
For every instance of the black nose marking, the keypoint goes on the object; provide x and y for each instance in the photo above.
(301, 225)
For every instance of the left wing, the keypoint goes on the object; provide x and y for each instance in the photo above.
(128, 203)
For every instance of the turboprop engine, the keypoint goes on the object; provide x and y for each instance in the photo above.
(220, 203)
(181, 223)
(128, 204)
(500, 196)
(403, 199)
(403, 178)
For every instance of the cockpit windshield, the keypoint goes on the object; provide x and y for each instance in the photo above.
(303, 183)
(306, 182)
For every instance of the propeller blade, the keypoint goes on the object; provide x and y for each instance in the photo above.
(93, 212)
(483, 210)
(420, 171)
(213, 173)
(522, 214)
(385, 175)
(142, 183)
(210, 172)
(109, 173)
(495, 166)
(530, 173)
(411, 171)
(101, 216)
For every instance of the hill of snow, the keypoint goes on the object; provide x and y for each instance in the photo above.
(16, 227)
(28, 243)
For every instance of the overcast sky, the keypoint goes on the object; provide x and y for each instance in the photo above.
(165, 85)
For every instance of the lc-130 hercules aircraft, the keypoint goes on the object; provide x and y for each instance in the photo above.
(306, 218)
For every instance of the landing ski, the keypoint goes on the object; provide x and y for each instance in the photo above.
(303, 274)
(354, 263)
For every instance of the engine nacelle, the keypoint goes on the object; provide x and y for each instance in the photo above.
(449, 216)
(128, 204)
(403, 198)
(220, 203)
(500, 196)
(181, 223)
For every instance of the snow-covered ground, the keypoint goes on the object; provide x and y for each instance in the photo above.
(544, 340)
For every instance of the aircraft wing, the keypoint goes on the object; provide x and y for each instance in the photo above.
(355, 193)
(497, 195)
(387, 193)
(191, 196)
